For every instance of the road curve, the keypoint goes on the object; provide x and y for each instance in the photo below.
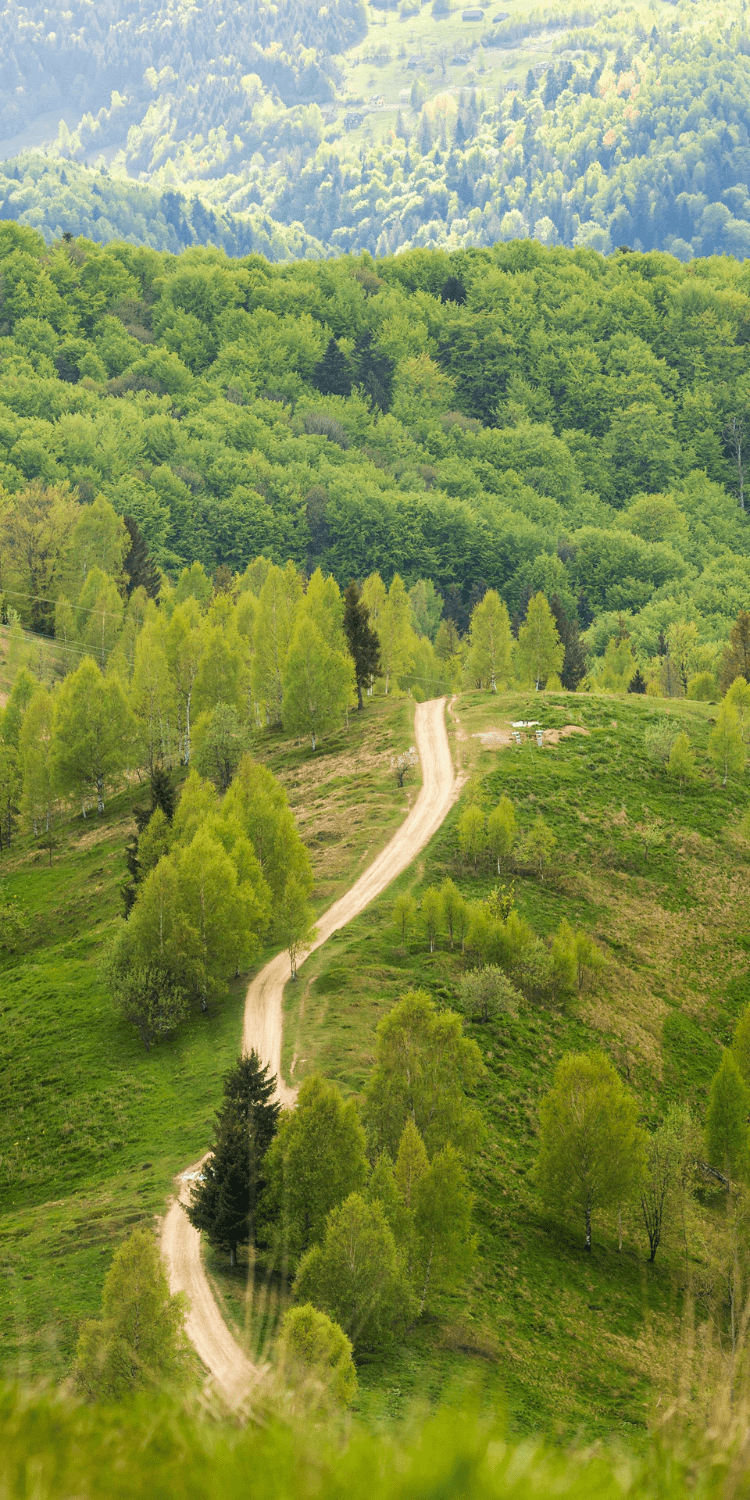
(232, 1372)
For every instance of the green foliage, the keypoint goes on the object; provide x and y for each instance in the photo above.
(355, 1275)
(315, 1162)
(591, 1151)
(422, 1068)
(540, 650)
(726, 1119)
(681, 763)
(725, 745)
(139, 1343)
(314, 1353)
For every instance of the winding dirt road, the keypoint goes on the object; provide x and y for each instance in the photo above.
(232, 1372)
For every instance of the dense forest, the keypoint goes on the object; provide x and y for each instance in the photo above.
(519, 418)
(589, 126)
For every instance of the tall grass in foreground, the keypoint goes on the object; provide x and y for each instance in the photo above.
(53, 1449)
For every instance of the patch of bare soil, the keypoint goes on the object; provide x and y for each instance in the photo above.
(500, 739)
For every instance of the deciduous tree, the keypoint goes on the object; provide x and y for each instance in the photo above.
(591, 1152)
(139, 1343)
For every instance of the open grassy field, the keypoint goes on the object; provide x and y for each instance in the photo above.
(578, 1345)
(92, 1129)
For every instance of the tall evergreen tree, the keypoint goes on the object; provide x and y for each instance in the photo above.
(224, 1199)
(362, 640)
(331, 375)
(139, 566)
(573, 669)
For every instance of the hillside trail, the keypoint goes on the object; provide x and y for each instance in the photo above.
(232, 1371)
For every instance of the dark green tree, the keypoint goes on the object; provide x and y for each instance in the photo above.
(224, 1199)
(573, 669)
(331, 375)
(637, 682)
(249, 1089)
(362, 640)
(373, 372)
(139, 566)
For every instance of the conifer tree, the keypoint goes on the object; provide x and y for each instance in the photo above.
(362, 640)
(138, 565)
(331, 374)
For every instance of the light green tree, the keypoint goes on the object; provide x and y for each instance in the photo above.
(591, 1151)
(501, 832)
(318, 683)
(260, 805)
(99, 541)
(671, 1153)
(139, 1343)
(294, 921)
(324, 606)
(184, 651)
(315, 1355)
(100, 613)
(539, 845)
(738, 694)
(39, 799)
(726, 1119)
(316, 1160)
(274, 626)
(681, 763)
(93, 731)
(404, 917)
(431, 907)
(471, 833)
(453, 909)
(394, 632)
(423, 1067)
(355, 1274)
(444, 1244)
(725, 746)
(490, 643)
(153, 695)
(540, 650)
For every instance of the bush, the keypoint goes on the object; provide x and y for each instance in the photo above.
(314, 1353)
(659, 738)
(488, 992)
(703, 688)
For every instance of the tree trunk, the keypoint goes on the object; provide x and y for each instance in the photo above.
(619, 1230)
(360, 699)
(232, 1255)
(313, 739)
(100, 794)
(587, 1245)
(186, 746)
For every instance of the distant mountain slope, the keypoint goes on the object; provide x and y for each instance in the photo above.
(302, 129)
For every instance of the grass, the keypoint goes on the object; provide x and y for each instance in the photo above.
(579, 1345)
(93, 1130)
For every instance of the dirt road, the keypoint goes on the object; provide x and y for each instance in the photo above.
(231, 1370)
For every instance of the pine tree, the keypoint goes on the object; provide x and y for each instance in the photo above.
(362, 640)
(573, 669)
(373, 371)
(221, 1201)
(331, 374)
(138, 565)
(249, 1088)
(637, 682)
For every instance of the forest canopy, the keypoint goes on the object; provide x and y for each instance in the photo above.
(520, 419)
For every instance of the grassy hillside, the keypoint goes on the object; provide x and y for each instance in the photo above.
(578, 1345)
(92, 1129)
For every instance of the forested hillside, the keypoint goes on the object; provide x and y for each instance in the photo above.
(520, 419)
(298, 130)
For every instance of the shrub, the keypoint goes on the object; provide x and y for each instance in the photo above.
(488, 992)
